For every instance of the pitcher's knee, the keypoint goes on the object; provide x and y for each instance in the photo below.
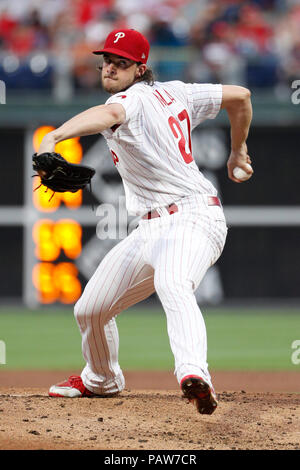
(77, 309)
(86, 310)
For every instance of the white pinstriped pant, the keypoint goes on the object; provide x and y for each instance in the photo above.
(170, 255)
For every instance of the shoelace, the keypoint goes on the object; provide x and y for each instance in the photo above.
(74, 380)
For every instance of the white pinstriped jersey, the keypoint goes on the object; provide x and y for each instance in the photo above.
(152, 148)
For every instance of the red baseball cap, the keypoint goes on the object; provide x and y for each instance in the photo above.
(126, 43)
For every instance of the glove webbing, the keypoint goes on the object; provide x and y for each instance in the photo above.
(90, 185)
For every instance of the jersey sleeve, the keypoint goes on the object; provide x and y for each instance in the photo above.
(204, 101)
(129, 101)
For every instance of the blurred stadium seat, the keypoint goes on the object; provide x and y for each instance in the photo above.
(31, 73)
(254, 43)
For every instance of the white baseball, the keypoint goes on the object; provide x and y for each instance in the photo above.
(241, 174)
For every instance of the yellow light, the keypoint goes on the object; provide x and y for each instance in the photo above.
(41, 198)
(67, 234)
(56, 282)
(46, 247)
(66, 279)
(49, 202)
(72, 200)
(42, 277)
(71, 150)
(39, 134)
(51, 237)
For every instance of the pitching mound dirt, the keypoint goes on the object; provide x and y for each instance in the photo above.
(147, 419)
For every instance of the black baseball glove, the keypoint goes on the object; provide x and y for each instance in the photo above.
(59, 175)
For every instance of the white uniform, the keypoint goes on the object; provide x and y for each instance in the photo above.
(153, 146)
(169, 253)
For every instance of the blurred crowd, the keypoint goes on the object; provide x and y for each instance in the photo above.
(255, 43)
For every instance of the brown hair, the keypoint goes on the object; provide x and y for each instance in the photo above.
(147, 77)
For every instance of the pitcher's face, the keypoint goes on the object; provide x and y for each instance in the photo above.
(118, 73)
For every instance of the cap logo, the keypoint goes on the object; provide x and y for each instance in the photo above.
(119, 36)
(143, 56)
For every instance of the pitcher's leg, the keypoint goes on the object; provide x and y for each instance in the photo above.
(121, 280)
(180, 261)
(185, 323)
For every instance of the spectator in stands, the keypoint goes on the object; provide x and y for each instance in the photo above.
(245, 42)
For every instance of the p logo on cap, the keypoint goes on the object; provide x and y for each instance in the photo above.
(119, 36)
(127, 43)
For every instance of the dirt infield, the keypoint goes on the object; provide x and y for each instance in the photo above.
(256, 411)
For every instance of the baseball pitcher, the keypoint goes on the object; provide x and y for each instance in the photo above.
(182, 230)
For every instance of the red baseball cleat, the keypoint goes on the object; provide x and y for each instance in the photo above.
(199, 392)
(71, 388)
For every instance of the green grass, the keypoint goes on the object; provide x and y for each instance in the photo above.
(40, 340)
(250, 339)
